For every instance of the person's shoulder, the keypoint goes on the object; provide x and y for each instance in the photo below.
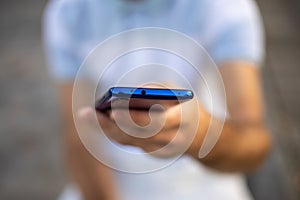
(222, 8)
(233, 10)
(236, 31)
(66, 7)
(67, 13)
(222, 11)
(61, 4)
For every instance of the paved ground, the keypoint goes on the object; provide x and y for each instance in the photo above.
(30, 159)
(283, 28)
(30, 140)
(281, 77)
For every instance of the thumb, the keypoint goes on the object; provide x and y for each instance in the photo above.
(88, 115)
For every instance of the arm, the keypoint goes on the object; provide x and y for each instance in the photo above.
(93, 178)
(244, 141)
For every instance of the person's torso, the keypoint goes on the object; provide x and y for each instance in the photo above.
(185, 178)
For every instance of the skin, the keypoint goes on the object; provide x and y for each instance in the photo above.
(243, 144)
(93, 178)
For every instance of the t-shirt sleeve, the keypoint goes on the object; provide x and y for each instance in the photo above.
(241, 36)
(61, 43)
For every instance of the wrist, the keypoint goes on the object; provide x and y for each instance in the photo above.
(203, 125)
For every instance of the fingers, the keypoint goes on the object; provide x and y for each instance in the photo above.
(131, 118)
(87, 114)
(94, 119)
(171, 117)
(151, 144)
(172, 120)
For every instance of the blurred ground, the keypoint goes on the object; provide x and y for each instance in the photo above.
(282, 94)
(31, 164)
(30, 154)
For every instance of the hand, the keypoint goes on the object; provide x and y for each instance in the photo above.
(170, 130)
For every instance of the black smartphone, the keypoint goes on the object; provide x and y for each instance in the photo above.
(141, 98)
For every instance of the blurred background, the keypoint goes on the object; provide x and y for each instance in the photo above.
(31, 159)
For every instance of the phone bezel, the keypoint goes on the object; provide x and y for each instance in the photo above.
(115, 93)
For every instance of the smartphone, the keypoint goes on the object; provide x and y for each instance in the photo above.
(141, 98)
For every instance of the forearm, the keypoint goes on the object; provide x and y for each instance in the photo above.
(244, 140)
(240, 147)
(93, 178)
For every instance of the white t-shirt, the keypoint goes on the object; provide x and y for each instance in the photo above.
(228, 30)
